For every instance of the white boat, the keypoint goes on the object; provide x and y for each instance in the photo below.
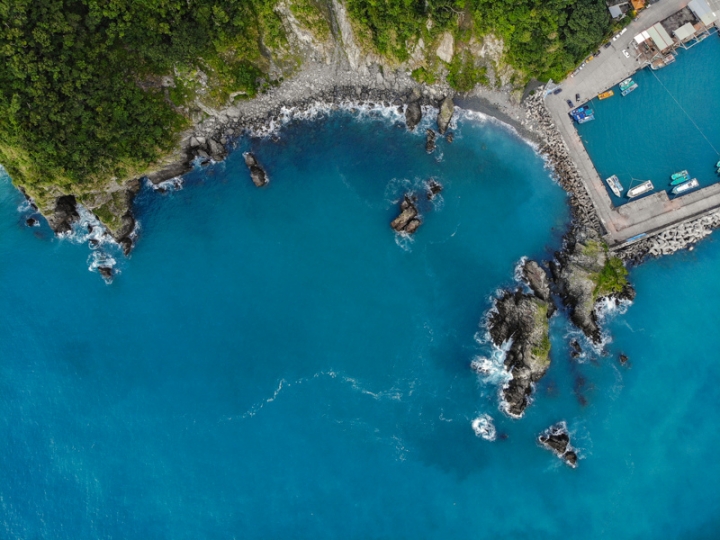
(686, 186)
(614, 183)
(640, 189)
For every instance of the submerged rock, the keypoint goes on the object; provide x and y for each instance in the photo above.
(434, 187)
(449, 137)
(522, 318)
(623, 358)
(575, 349)
(257, 173)
(106, 272)
(64, 214)
(447, 108)
(430, 141)
(557, 439)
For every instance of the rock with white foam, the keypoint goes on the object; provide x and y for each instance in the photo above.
(483, 427)
(257, 173)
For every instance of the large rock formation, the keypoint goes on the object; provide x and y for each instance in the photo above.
(257, 173)
(557, 439)
(446, 49)
(581, 273)
(408, 220)
(447, 108)
(537, 280)
(522, 318)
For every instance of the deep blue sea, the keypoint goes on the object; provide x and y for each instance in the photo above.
(277, 363)
(669, 124)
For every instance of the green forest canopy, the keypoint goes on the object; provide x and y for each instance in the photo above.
(79, 79)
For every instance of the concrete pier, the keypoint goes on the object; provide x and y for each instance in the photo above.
(647, 216)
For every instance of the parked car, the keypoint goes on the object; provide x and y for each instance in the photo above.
(557, 91)
(570, 103)
(627, 54)
(577, 97)
(607, 45)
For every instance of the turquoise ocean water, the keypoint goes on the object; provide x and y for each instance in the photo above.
(276, 363)
(670, 123)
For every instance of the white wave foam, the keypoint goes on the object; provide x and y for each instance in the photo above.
(173, 184)
(363, 110)
(404, 241)
(483, 427)
(518, 270)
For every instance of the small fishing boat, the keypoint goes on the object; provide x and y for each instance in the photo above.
(629, 89)
(606, 95)
(614, 184)
(679, 177)
(641, 189)
(627, 82)
(583, 114)
(687, 186)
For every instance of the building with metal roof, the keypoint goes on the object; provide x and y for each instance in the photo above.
(660, 37)
(615, 12)
(702, 11)
(685, 32)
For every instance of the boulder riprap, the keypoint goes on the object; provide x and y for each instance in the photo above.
(430, 141)
(522, 318)
(557, 439)
(257, 173)
(407, 221)
(413, 112)
(447, 108)
(585, 273)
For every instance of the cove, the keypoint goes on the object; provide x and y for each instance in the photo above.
(277, 362)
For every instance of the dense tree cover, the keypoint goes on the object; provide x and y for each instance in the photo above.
(544, 38)
(79, 85)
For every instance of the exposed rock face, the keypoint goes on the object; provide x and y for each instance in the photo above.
(623, 358)
(216, 150)
(31, 222)
(580, 264)
(524, 319)
(557, 439)
(64, 214)
(447, 108)
(446, 49)
(430, 141)
(537, 279)
(257, 173)
(407, 221)
(124, 234)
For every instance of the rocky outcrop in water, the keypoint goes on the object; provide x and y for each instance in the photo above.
(430, 141)
(578, 273)
(522, 318)
(408, 220)
(413, 112)
(257, 173)
(447, 108)
(433, 189)
(64, 214)
(557, 439)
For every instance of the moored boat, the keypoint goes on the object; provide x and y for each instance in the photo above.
(629, 89)
(640, 189)
(679, 177)
(687, 186)
(606, 95)
(582, 114)
(627, 82)
(614, 184)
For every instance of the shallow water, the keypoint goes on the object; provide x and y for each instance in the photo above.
(277, 363)
(671, 122)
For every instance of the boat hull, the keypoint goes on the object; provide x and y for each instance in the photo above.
(642, 189)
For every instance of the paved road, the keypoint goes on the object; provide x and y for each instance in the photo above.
(648, 215)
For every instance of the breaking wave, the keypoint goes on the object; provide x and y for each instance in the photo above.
(483, 427)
